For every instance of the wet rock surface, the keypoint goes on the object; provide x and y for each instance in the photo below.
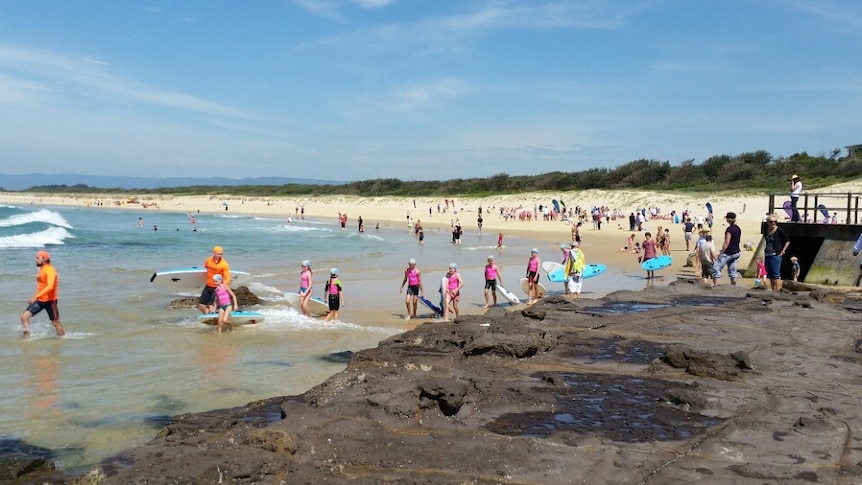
(671, 385)
(244, 297)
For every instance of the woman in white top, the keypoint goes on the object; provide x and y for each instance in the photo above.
(795, 190)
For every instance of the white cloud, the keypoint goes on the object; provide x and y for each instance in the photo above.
(831, 11)
(370, 4)
(422, 96)
(329, 9)
(63, 75)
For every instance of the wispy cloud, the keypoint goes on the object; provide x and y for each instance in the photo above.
(447, 33)
(589, 14)
(329, 9)
(31, 71)
(840, 14)
(371, 4)
(415, 97)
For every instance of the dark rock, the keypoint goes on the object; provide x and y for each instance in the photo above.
(560, 392)
(14, 466)
(244, 297)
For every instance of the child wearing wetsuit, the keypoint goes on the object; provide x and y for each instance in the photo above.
(334, 295)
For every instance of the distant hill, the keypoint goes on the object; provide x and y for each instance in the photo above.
(22, 182)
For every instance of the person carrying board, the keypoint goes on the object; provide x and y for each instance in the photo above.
(574, 269)
(214, 265)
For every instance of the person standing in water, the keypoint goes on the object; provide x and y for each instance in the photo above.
(305, 287)
(413, 280)
(45, 298)
(492, 278)
(214, 265)
(226, 301)
(334, 294)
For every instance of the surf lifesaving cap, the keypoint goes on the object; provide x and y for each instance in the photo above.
(43, 255)
(453, 266)
(218, 249)
(334, 271)
(306, 263)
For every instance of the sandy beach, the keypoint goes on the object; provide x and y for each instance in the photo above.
(601, 246)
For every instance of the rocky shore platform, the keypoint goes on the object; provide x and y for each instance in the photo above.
(670, 385)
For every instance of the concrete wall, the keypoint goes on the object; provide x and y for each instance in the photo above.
(825, 253)
(834, 264)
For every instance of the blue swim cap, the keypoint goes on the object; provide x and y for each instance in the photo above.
(334, 271)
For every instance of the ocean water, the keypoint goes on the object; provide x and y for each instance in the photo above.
(128, 361)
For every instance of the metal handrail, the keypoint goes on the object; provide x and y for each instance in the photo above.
(810, 204)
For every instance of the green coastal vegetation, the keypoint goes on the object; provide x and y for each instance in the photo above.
(755, 171)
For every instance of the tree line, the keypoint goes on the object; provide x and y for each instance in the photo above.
(757, 170)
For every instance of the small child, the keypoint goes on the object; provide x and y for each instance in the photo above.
(761, 272)
(794, 268)
(334, 298)
(224, 297)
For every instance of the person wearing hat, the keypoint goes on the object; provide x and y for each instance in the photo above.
(795, 191)
(226, 301)
(730, 251)
(305, 287)
(214, 265)
(776, 243)
(45, 298)
(533, 265)
(413, 280)
(492, 277)
(334, 296)
(705, 249)
(452, 292)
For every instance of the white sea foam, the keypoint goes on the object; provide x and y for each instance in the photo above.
(43, 215)
(52, 235)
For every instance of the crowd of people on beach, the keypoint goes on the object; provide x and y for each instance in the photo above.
(709, 256)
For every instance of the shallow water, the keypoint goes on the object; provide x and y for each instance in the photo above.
(128, 362)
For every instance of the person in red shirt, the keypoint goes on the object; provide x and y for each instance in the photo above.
(47, 283)
(214, 265)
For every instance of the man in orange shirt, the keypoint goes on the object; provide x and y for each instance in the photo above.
(214, 265)
(45, 298)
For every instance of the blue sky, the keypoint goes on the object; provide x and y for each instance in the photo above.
(419, 89)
